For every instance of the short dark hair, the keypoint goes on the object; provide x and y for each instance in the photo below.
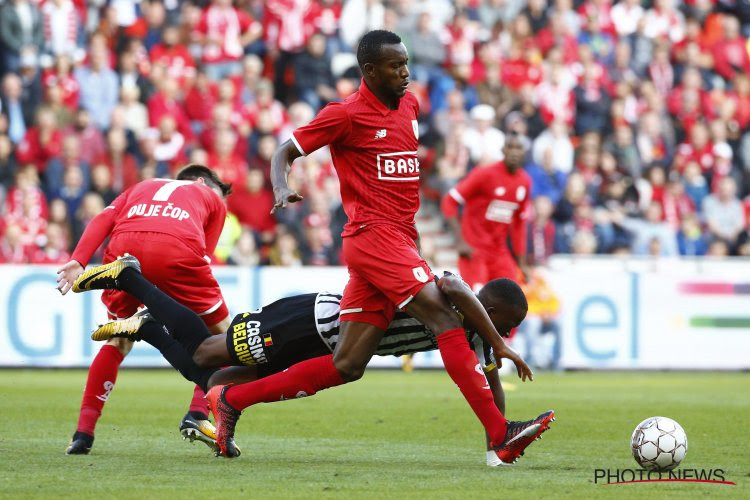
(506, 291)
(196, 171)
(370, 45)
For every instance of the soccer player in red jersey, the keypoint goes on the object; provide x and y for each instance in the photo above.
(172, 227)
(373, 137)
(495, 199)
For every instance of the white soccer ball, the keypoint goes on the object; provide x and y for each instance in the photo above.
(659, 444)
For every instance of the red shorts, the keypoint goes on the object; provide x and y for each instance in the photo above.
(480, 269)
(385, 272)
(174, 268)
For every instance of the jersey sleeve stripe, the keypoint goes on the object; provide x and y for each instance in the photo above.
(296, 143)
(457, 196)
(212, 309)
(352, 310)
(408, 299)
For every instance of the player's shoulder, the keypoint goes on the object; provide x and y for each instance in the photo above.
(411, 100)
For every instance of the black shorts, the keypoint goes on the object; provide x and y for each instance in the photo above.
(276, 336)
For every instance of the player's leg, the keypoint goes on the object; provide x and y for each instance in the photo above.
(357, 343)
(508, 439)
(189, 279)
(185, 325)
(234, 375)
(432, 308)
(102, 374)
(100, 381)
(179, 274)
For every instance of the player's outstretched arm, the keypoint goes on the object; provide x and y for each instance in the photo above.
(281, 164)
(475, 314)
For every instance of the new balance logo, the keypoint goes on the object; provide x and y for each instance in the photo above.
(380, 133)
(108, 386)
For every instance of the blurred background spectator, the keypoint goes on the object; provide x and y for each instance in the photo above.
(635, 116)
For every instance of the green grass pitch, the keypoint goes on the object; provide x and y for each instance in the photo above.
(391, 435)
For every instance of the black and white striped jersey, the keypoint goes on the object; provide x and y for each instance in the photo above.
(405, 334)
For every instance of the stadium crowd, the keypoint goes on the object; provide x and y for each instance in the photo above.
(636, 115)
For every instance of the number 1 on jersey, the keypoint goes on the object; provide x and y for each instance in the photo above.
(164, 192)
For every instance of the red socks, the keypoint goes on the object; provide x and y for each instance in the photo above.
(463, 367)
(199, 403)
(303, 379)
(100, 382)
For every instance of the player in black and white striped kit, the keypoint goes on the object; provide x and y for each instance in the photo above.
(273, 338)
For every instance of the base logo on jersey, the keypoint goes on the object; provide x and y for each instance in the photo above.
(401, 166)
(267, 340)
(415, 128)
(248, 344)
(500, 211)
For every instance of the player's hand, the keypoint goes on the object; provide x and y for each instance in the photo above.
(67, 275)
(463, 248)
(524, 372)
(284, 196)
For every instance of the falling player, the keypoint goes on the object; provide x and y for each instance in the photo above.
(274, 337)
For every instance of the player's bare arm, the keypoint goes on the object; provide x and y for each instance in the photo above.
(463, 248)
(498, 394)
(281, 164)
(478, 316)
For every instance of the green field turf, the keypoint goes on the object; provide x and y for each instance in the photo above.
(391, 435)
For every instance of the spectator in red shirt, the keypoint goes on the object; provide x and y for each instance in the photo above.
(90, 138)
(123, 167)
(675, 202)
(266, 108)
(173, 55)
(200, 101)
(42, 142)
(30, 219)
(697, 147)
(730, 53)
(225, 31)
(252, 204)
(13, 250)
(26, 185)
(55, 247)
(229, 166)
(166, 102)
(740, 95)
(288, 25)
(62, 76)
(169, 146)
(557, 34)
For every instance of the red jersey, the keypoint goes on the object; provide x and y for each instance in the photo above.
(374, 151)
(189, 211)
(495, 203)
